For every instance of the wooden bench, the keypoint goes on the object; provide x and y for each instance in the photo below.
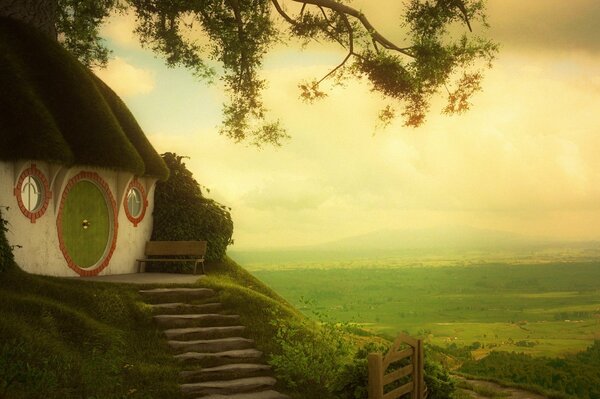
(196, 250)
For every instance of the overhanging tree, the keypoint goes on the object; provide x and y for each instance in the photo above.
(438, 53)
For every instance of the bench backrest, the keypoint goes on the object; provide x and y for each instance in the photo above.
(195, 248)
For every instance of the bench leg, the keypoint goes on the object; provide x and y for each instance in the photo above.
(196, 266)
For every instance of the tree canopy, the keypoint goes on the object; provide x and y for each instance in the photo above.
(439, 51)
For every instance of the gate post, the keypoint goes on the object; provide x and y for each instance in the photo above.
(419, 377)
(375, 361)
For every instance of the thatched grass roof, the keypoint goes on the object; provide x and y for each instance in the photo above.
(53, 108)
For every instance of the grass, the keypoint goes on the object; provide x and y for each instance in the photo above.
(64, 338)
(153, 163)
(550, 394)
(255, 302)
(308, 354)
(74, 339)
(483, 391)
(547, 309)
(52, 108)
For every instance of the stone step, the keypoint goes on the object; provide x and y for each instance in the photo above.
(196, 320)
(227, 364)
(166, 295)
(250, 395)
(185, 308)
(212, 345)
(228, 387)
(192, 333)
(225, 372)
(208, 359)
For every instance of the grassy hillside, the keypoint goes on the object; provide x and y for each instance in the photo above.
(74, 339)
(6, 256)
(308, 358)
(547, 309)
(68, 338)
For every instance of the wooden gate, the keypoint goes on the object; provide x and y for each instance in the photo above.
(403, 348)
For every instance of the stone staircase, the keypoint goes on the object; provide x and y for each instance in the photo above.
(219, 363)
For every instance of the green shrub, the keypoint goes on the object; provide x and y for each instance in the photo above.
(6, 255)
(312, 357)
(437, 380)
(576, 375)
(353, 380)
(181, 212)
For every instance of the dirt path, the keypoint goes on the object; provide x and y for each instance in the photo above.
(511, 393)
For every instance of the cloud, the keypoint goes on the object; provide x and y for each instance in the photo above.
(546, 25)
(120, 29)
(288, 194)
(524, 159)
(521, 159)
(125, 79)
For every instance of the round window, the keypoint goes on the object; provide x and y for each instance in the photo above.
(33, 193)
(135, 202)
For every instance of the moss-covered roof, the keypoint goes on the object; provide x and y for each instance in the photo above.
(53, 108)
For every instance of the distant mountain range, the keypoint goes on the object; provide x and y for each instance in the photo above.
(449, 238)
(413, 243)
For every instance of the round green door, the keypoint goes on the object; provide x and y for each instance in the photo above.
(85, 224)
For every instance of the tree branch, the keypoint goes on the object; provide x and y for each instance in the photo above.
(283, 13)
(240, 30)
(331, 35)
(346, 10)
(461, 6)
(350, 49)
(375, 45)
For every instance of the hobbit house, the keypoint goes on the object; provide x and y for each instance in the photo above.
(77, 173)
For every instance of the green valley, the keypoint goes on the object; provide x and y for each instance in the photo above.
(548, 309)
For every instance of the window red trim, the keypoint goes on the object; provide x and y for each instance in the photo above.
(37, 213)
(136, 184)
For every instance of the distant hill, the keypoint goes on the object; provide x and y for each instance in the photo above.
(457, 240)
(449, 238)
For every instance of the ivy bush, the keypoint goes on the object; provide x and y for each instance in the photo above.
(328, 365)
(182, 212)
(6, 255)
(354, 379)
(311, 357)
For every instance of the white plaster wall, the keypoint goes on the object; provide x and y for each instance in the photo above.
(40, 252)
(131, 240)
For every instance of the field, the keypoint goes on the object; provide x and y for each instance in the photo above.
(542, 309)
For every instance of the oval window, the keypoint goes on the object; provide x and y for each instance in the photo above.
(135, 202)
(33, 193)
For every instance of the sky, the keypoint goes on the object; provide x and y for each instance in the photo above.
(525, 159)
